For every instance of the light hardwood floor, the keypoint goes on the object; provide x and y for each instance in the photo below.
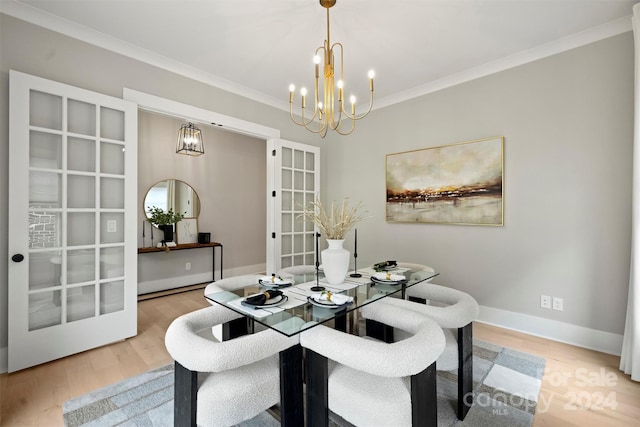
(580, 387)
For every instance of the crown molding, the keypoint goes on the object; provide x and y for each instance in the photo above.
(77, 31)
(72, 29)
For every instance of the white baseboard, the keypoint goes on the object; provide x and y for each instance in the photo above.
(186, 280)
(593, 339)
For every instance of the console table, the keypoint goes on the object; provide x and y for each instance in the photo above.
(212, 245)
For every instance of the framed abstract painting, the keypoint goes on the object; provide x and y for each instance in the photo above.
(452, 184)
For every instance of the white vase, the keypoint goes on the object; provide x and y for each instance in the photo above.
(335, 262)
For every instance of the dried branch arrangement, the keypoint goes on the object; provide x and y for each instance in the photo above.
(336, 222)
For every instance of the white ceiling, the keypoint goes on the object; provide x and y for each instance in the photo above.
(256, 48)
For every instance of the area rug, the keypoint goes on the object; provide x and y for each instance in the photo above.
(506, 389)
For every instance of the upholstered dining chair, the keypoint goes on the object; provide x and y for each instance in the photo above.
(454, 311)
(234, 327)
(296, 269)
(223, 383)
(369, 382)
(415, 267)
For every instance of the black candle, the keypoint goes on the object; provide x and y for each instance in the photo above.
(355, 244)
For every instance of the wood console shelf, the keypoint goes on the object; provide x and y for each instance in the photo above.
(212, 245)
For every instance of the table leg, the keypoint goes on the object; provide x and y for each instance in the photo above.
(317, 371)
(379, 331)
(235, 328)
(213, 261)
(291, 391)
(340, 322)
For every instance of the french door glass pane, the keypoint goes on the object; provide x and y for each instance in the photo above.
(44, 309)
(81, 117)
(309, 243)
(310, 163)
(299, 159)
(287, 160)
(287, 201)
(81, 191)
(111, 227)
(45, 150)
(81, 303)
(287, 223)
(111, 193)
(81, 228)
(111, 124)
(298, 180)
(81, 154)
(112, 158)
(298, 243)
(287, 179)
(81, 265)
(44, 188)
(310, 182)
(298, 201)
(310, 259)
(111, 297)
(45, 110)
(44, 227)
(44, 270)
(111, 262)
(287, 244)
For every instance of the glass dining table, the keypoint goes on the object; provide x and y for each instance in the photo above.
(307, 297)
(302, 302)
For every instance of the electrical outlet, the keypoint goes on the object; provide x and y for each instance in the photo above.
(545, 301)
(187, 266)
(558, 303)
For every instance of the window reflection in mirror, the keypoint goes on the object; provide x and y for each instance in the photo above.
(173, 194)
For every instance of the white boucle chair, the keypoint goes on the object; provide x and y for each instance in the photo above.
(415, 267)
(223, 383)
(454, 311)
(369, 382)
(295, 270)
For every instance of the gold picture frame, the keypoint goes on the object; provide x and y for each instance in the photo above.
(460, 183)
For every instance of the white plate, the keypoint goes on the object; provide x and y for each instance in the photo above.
(275, 302)
(326, 304)
(382, 277)
(273, 282)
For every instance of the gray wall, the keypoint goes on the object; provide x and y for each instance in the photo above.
(567, 122)
(568, 128)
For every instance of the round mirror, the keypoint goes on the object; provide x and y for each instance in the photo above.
(173, 194)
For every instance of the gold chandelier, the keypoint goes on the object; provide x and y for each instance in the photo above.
(326, 113)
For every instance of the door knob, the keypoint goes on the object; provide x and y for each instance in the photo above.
(17, 258)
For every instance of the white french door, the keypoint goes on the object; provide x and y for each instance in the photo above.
(72, 220)
(294, 182)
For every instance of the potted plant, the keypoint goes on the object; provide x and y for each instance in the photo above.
(164, 221)
(334, 224)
